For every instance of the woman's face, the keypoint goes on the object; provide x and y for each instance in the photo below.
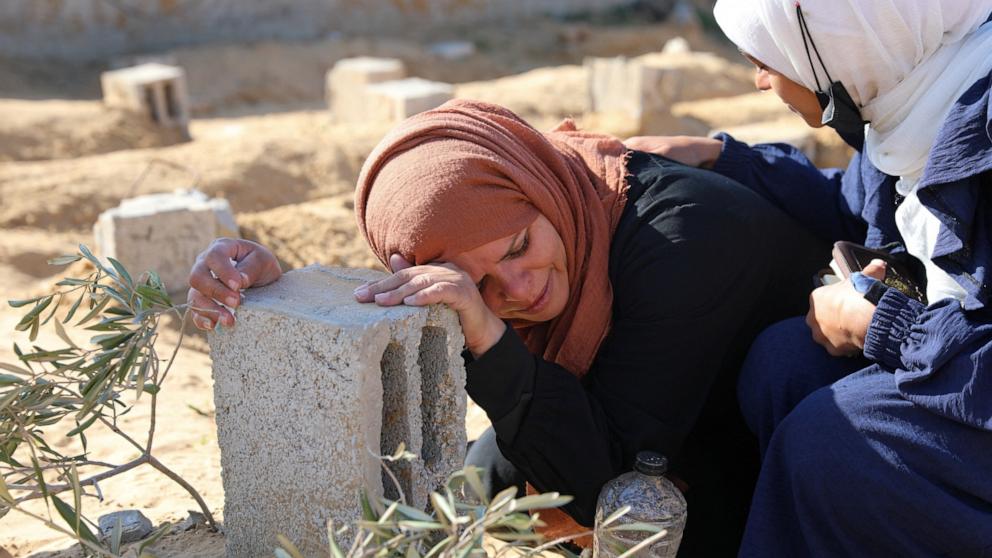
(799, 99)
(522, 276)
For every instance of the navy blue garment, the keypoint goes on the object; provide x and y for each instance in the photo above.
(890, 455)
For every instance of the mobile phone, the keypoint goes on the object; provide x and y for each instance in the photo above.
(850, 257)
(825, 277)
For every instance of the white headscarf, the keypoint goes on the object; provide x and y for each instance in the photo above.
(904, 62)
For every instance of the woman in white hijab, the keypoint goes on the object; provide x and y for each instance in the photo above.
(874, 413)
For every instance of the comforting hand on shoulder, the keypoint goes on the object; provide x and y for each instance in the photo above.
(839, 315)
(440, 283)
(688, 150)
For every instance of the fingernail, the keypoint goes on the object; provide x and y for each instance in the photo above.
(232, 300)
(234, 286)
(362, 292)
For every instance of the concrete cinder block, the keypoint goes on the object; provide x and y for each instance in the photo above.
(163, 232)
(309, 384)
(452, 50)
(645, 88)
(393, 101)
(346, 82)
(157, 90)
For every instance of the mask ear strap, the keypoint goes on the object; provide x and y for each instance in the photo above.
(807, 42)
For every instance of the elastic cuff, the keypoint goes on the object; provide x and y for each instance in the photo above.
(503, 377)
(894, 315)
(732, 156)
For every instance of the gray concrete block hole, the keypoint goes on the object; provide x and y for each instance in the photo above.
(410, 410)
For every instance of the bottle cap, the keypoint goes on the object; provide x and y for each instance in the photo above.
(651, 463)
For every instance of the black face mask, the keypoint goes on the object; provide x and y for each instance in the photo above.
(839, 111)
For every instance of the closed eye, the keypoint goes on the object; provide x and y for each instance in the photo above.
(521, 250)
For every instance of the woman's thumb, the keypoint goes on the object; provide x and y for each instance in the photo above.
(875, 269)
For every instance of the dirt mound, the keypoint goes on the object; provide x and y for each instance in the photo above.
(292, 73)
(257, 163)
(320, 231)
(35, 130)
(545, 94)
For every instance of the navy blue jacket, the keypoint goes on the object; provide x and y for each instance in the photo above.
(941, 355)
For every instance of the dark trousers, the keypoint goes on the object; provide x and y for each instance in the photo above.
(850, 467)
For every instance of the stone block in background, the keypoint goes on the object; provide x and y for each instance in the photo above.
(452, 50)
(394, 101)
(644, 89)
(309, 384)
(347, 80)
(157, 90)
(163, 233)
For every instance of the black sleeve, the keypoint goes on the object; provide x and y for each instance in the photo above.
(688, 279)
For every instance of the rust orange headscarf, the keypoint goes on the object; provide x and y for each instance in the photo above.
(454, 178)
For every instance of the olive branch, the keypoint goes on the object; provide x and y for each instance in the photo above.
(78, 386)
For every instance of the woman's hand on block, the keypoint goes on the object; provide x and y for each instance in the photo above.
(221, 272)
(438, 283)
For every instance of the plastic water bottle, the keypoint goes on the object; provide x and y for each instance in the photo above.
(652, 499)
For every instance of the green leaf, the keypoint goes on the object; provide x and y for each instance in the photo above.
(60, 331)
(413, 513)
(115, 536)
(39, 308)
(19, 303)
(75, 306)
(139, 382)
(153, 295)
(441, 505)
(127, 362)
(81, 427)
(475, 482)
(367, 512)
(112, 340)
(104, 300)
(93, 259)
(332, 542)
(4, 493)
(64, 260)
(154, 537)
(39, 477)
(72, 282)
(632, 551)
(637, 526)
(14, 369)
(440, 546)
(34, 330)
(152, 388)
(9, 398)
(77, 493)
(615, 516)
(9, 380)
(419, 525)
(116, 295)
(503, 498)
(288, 546)
(122, 271)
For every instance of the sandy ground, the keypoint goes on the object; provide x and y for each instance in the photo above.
(261, 139)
